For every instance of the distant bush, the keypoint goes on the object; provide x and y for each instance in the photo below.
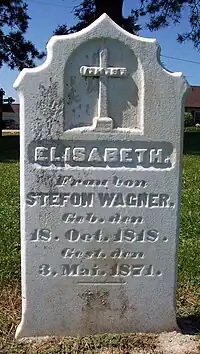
(192, 129)
(188, 119)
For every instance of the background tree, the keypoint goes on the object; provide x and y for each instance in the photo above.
(15, 50)
(158, 14)
(89, 10)
(162, 13)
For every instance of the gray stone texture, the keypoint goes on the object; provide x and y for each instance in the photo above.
(101, 130)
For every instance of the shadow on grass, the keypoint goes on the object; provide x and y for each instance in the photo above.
(191, 142)
(189, 324)
(9, 146)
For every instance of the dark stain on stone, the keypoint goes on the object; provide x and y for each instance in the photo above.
(96, 299)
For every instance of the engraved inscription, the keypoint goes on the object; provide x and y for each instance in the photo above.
(69, 180)
(41, 235)
(101, 153)
(133, 200)
(118, 182)
(97, 71)
(127, 235)
(128, 183)
(118, 270)
(101, 253)
(45, 269)
(73, 253)
(74, 235)
(111, 154)
(118, 219)
(91, 218)
(130, 235)
(78, 269)
(60, 199)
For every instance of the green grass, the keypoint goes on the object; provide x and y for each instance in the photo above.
(9, 210)
(189, 252)
(189, 248)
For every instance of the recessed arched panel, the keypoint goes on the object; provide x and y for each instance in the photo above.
(82, 95)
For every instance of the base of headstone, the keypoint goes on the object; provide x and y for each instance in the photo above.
(103, 124)
(128, 325)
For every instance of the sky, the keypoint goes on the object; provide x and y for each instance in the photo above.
(47, 14)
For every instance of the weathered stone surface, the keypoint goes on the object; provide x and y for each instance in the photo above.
(101, 145)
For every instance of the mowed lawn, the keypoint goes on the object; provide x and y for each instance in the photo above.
(188, 296)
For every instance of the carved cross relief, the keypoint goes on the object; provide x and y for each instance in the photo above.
(103, 122)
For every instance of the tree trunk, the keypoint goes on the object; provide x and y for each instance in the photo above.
(112, 8)
(1, 110)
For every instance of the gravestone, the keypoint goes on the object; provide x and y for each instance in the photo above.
(101, 148)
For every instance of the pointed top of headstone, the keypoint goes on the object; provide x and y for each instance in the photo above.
(106, 21)
(103, 27)
(60, 47)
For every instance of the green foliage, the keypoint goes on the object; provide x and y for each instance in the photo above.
(194, 128)
(89, 10)
(15, 50)
(188, 119)
(162, 13)
(158, 14)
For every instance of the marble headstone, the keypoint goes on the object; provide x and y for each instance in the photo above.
(101, 129)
